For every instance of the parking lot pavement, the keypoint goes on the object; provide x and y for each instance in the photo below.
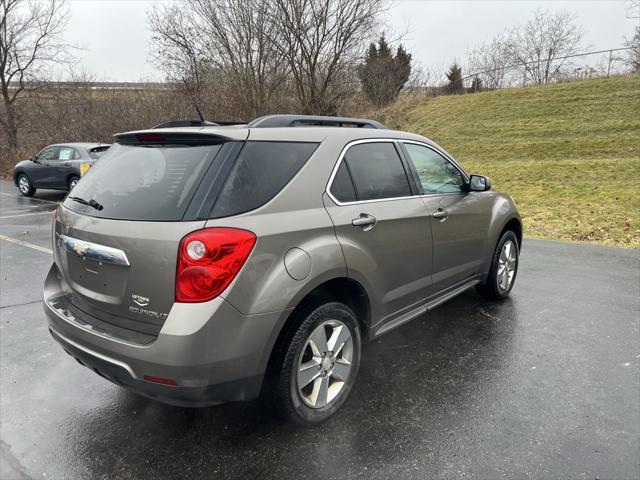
(543, 385)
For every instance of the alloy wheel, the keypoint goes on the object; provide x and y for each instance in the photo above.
(325, 364)
(507, 263)
(23, 184)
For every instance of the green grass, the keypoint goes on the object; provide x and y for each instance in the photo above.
(568, 154)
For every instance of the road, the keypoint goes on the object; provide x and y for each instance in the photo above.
(543, 385)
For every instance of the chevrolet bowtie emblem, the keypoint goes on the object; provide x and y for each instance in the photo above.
(81, 248)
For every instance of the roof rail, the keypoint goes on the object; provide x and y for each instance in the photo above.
(312, 121)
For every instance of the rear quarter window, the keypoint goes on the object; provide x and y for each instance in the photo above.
(261, 170)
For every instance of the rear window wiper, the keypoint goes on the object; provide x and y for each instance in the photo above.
(91, 203)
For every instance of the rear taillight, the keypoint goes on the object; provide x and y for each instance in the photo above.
(208, 260)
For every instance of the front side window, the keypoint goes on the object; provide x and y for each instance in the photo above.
(436, 173)
(49, 153)
(377, 171)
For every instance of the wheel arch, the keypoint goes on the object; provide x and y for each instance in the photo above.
(339, 289)
(515, 225)
(17, 173)
(70, 176)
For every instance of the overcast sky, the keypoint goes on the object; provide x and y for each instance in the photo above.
(116, 40)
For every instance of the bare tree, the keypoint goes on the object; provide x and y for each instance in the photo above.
(178, 46)
(223, 43)
(632, 59)
(322, 42)
(489, 61)
(543, 43)
(30, 42)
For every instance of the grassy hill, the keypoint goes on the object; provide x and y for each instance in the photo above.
(569, 154)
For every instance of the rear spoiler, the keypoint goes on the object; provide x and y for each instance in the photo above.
(181, 137)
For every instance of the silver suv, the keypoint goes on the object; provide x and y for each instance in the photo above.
(205, 264)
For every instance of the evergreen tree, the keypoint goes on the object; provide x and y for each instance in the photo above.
(383, 75)
(476, 84)
(454, 75)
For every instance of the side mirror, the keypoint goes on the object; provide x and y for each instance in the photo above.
(479, 183)
(34, 159)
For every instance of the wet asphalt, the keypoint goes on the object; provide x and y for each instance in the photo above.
(543, 385)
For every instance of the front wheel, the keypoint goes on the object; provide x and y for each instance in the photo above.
(504, 268)
(25, 186)
(313, 374)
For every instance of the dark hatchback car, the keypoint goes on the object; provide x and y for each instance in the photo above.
(57, 167)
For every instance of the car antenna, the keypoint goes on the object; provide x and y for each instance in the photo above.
(195, 104)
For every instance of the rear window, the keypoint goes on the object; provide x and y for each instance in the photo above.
(97, 152)
(260, 172)
(143, 183)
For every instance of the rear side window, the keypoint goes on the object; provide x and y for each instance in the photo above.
(143, 183)
(261, 170)
(66, 153)
(377, 171)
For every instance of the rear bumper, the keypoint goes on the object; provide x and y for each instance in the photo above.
(214, 353)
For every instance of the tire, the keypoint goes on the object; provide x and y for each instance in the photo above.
(72, 182)
(335, 374)
(25, 186)
(497, 286)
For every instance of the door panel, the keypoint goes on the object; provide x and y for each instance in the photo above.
(41, 172)
(459, 238)
(393, 256)
(61, 167)
(382, 226)
(460, 219)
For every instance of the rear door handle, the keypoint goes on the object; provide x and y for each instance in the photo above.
(441, 214)
(365, 221)
(67, 164)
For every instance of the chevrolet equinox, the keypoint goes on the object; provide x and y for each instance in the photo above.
(198, 263)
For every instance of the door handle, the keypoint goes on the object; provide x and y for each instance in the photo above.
(366, 221)
(441, 214)
(67, 164)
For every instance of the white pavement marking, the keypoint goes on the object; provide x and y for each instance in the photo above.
(27, 244)
(25, 214)
(29, 198)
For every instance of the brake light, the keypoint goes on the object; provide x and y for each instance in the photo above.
(208, 260)
(151, 137)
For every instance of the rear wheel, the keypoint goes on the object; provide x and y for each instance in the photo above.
(72, 182)
(25, 186)
(315, 371)
(504, 268)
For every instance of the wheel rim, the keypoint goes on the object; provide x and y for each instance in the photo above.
(73, 184)
(507, 264)
(23, 184)
(325, 364)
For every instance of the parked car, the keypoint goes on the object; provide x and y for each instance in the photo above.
(220, 263)
(57, 167)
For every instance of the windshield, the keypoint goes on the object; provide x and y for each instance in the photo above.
(142, 183)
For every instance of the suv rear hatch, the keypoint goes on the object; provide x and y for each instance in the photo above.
(117, 234)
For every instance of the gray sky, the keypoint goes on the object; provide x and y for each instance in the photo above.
(116, 39)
